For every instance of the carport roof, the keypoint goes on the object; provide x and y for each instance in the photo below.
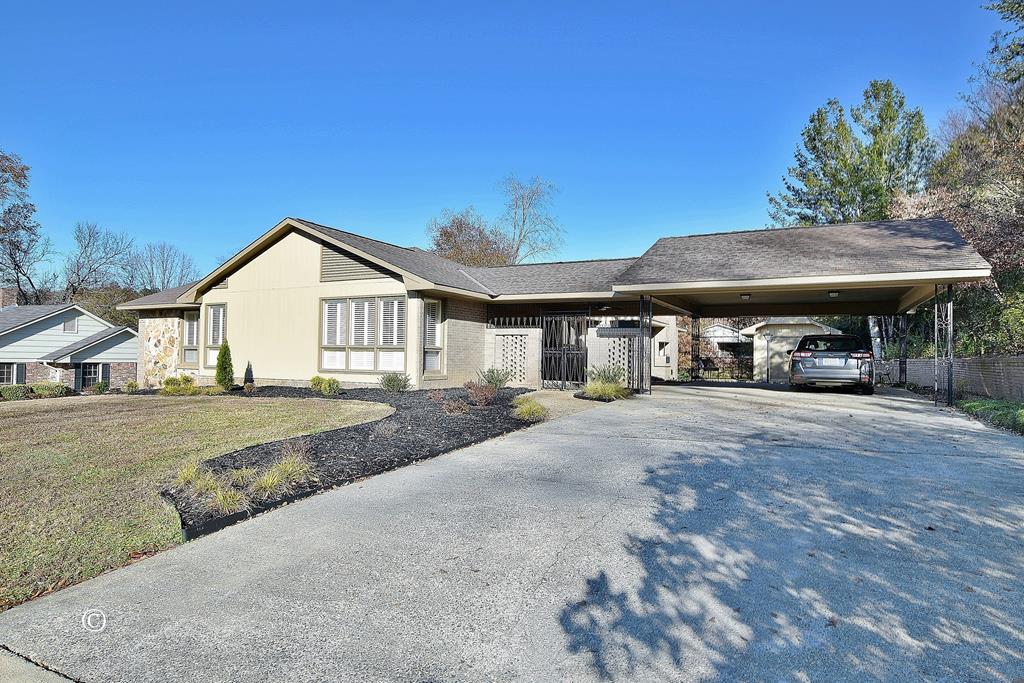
(878, 247)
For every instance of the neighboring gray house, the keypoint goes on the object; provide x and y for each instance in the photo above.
(64, 343)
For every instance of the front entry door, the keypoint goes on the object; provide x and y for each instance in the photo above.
(564, 361)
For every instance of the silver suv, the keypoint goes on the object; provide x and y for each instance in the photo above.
(837, 360)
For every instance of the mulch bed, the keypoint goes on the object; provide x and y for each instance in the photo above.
(418, 429)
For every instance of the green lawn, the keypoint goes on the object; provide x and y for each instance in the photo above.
(1005, 414)
(79, 477)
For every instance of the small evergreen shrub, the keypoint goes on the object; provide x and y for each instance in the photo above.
(495, 377)
(395, 381)
(101, 387)
(605, 391)
(172, 382)
(527, 408)
(186, 380)
(131, 387)
(50, 389)
(480, 394)
(330, 387)
(15, 392)
(225, 375)
(607, 374)
(316, 383)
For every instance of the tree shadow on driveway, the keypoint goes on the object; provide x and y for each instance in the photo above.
(810, 564)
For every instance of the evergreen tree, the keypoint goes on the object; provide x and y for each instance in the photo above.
(225, 370)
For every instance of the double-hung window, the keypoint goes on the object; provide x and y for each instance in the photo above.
(433, 337)
(217, 330)
(363, 334)
(7, 373)
(91, 374)
(190, 338)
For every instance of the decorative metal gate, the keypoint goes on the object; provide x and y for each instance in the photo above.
(564, 360)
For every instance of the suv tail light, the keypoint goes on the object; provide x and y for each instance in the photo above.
(802, 354)
(861, 354)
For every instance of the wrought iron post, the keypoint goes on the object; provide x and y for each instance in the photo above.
(950, 399)
(935, 344)
(695, 369)
(943, 337)
(903, 350)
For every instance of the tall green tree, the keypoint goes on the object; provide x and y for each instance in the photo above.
(849, 167)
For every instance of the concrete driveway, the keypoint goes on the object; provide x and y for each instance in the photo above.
(702, 533)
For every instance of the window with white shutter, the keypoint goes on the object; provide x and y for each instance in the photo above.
(365, 334)
(190, 338)
(432, 336)
(363, 323)
(217, 330)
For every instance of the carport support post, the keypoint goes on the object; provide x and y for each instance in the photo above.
(943, 338)
(695, 348)
(949, 345)
(903, 350)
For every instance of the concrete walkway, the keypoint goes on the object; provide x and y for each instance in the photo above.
(702, 533)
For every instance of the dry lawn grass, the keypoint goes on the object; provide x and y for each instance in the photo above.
(79, 477)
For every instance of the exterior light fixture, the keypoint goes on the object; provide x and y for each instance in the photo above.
(745, 297)
(833, 294)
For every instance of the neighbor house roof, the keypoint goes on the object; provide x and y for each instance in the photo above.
(83, 344)
(13, 317)
(788, 321)
(162, 298)
(930, 244)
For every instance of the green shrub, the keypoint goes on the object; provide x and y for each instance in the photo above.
(605, 391)
(527, 408)
(50, 389)
(131, 387)
(186, 380)
(395, 381)
(495, 377)
(172, 382)
(14, 392)
(480, 394)
(225, 375)
(316, 382)
(101, 387)
(607, 374)
(330, 387)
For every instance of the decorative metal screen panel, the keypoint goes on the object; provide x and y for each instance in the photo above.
(564, 356)
(512, 356)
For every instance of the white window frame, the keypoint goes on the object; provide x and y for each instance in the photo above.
(99, 374)
(434, 349)
(14, 373)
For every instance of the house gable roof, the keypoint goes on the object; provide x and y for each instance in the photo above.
(15, 317)
(82, 344)
(877, 247)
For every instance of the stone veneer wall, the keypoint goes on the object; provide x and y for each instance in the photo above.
(159, 347)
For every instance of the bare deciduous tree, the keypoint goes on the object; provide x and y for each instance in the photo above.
(528, 224)
(24, 250)
(98, 259)
(158, 266)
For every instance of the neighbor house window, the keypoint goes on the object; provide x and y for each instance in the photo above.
(71, 325)
(217, 330)
(432, 336)
(7, 373)
(190, 338)
(366, 334)
(91, 374)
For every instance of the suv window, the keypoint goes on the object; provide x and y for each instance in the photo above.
(834, 343)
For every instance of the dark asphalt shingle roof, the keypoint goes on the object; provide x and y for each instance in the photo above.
(84, 343)
(548, 278)
(16, 316)
(166, 296)
(846, 249)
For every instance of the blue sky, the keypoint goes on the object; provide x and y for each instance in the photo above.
(206, 123)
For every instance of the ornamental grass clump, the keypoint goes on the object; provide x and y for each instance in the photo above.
(607, 374)
(527, 408)
(227, 500)
(605, 391)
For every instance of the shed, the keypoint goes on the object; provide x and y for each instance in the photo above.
(774, 337)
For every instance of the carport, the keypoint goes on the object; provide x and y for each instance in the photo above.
(872, 268)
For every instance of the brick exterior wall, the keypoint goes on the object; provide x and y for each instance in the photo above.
(8, 297)
(465, 327)
(120, 374)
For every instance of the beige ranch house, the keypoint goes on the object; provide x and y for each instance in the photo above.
(305, 299)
